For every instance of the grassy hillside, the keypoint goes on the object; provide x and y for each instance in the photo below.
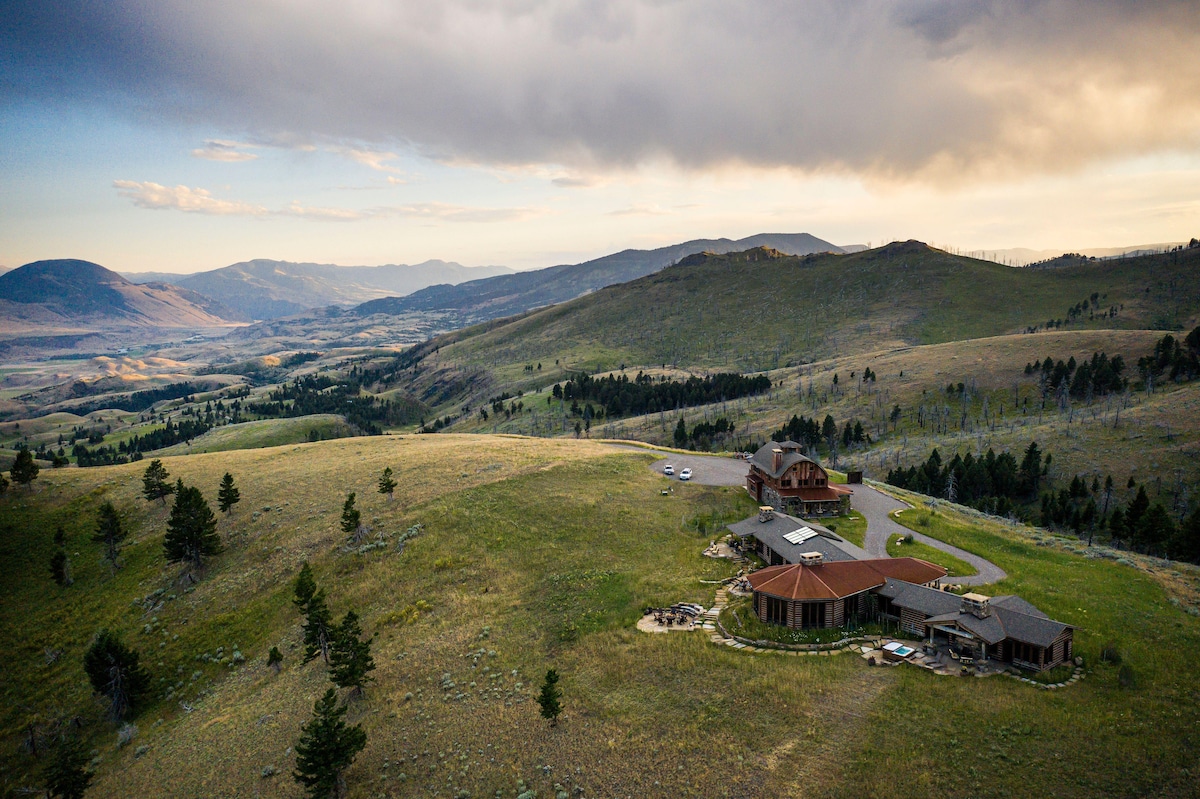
(752, 311)
(265, 433)
(1153, 437)
(537, 554)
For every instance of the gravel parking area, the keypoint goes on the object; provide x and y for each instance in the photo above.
(706, 469)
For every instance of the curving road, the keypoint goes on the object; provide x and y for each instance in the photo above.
(877, 507)
(873, 504)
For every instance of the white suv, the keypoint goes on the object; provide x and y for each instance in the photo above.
(686, 474)
(668, 470)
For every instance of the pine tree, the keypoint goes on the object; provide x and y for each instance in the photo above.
(191, 529)
(305, 587)
(350, 515)
(227, 494)
(349, 655)
(114, 672)
(66, 774)
(275, 659)
(60, 568)
(387, 485)
(24, 469)
(548, 699)
(318, 628)
(154, 482)
(110, 532)
(326, 748)
(681, 435)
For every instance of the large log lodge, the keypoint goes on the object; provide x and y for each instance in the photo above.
(815, 578)
(782, 477)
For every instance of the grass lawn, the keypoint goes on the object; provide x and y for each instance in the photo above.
(954, 567)
(538, 554)
(852, 527)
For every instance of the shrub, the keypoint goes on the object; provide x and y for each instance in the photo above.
(1126, 678)
(126, 734)
(1110, 654)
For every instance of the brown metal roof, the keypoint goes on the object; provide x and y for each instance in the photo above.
(840, 578)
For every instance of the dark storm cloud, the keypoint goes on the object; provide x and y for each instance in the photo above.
(933, 88)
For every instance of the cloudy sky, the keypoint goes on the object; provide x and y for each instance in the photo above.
(181, 135)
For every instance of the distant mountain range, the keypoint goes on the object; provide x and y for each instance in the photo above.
(266, 289)
(71, 294)
(505, 295)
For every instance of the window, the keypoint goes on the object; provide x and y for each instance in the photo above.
(776, 610)
(812, 614)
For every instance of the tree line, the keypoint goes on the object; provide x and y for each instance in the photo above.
(620, 396)
(315, 394)
(132, 448)
(1099, 376)
(993, 483)
(1178, 361)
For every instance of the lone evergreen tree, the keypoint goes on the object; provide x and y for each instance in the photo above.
(305, 587)
(228, 494)
(350, 515)
(24, 469)
(548, 699)
(66, 774)
(349, 655)
(387, 485)
(318, 628)
(191, 529)
(275, 659)
(326, 748)
(113, 670)
(154, 482)
(60, 568)
(109, 532)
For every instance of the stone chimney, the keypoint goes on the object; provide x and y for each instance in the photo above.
(765, 513)
(977, 605)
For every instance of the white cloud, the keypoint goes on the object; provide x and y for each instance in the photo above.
(200, 201)
(372, 159)
(460, 213)
(639, 209)
(183, 198)
(227, 151)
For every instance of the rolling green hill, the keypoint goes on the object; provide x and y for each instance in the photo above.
(536, 554)
(759, 310)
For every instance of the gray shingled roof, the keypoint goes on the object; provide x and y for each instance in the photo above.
(929, 601)
(764, 459)
(1036, 630)
(1011, 616)
(831, 546)
(1014, 602)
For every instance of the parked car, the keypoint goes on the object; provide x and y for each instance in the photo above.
(686, 474)
(668, 470)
